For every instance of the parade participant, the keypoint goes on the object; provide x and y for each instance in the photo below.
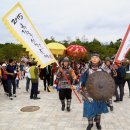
(92, 108)
(34, 79)
(75, 66)
(64, 77)
(106, 66)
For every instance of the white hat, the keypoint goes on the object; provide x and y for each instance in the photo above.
(4, 65)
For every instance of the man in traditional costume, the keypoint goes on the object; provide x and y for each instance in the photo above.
(64, 79)
(107, 66)
(94, 103)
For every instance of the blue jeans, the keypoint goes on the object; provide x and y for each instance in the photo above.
(27, 83)
(11, 82)
(34, 90)
(5, 85)
(120, 94)
(17, 83)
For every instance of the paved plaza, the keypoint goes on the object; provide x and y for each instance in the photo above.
(50, 116)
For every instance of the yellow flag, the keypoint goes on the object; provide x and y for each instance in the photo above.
(20, 25)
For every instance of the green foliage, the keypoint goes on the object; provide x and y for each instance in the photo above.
(103, 49)
(16, 51)
(11, 51)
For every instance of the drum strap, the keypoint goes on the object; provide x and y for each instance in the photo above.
(71, 86)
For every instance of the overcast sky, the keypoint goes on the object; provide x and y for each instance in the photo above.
(106, 20)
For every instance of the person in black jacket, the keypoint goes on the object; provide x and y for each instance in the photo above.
(119, 81)
(46, 74)
(11, 76)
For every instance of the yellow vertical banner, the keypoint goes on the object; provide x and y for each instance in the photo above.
(20, 25)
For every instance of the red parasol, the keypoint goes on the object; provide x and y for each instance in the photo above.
(76, 51)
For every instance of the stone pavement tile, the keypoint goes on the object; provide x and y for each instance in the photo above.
(108, 126)
(50, 116)
(74, 124)
(62, 123)
(68, 128)
(59, 128)
(108, 129)
(81, 128)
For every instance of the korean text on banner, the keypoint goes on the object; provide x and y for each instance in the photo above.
(19, 24)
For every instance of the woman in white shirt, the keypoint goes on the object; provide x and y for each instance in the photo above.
(27, 76)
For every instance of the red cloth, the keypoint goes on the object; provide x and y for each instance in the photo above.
(76, 51)
(4, 75)
(18, 75)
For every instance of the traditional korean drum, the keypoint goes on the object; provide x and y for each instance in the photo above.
(100, 86)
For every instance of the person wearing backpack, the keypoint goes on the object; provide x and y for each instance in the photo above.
(119, 81)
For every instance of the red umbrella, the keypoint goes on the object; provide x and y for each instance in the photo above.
(76, 51)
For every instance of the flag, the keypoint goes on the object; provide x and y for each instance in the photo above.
(124, 47)
(20, 25)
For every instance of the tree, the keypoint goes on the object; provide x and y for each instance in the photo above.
(16, 51)
(11, 51)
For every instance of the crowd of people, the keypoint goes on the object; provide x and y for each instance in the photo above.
(72, 72)
(68, 73)
(10, 76)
